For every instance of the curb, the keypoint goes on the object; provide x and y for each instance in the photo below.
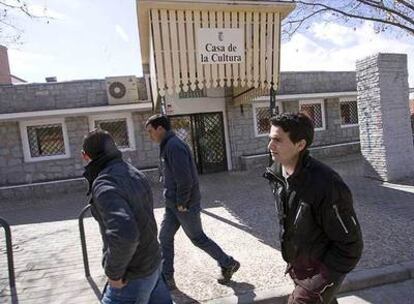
(356, 280)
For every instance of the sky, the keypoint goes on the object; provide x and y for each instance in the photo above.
(93, 39)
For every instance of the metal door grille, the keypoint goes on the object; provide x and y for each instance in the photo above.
(204, 134)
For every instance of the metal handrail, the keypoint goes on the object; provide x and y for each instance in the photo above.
(83, 241)
(9, 249)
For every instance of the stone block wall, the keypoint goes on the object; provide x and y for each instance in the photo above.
(244, 142)
(15, 171)
(51, 96)
(386, 135)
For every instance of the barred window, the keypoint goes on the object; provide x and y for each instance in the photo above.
(315, 111)
(119, 126)
(349, 112)
(197, 93)
(44, 140)
(262, 116)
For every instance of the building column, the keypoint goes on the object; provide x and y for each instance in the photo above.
(384, 116)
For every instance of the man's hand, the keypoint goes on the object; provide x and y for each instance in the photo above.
(117, 284)
(182, 208)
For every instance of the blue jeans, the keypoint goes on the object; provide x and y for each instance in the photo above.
(148, 290)
(190, 221)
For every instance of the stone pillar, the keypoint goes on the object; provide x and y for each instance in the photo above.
(5, 77)
(384, 116)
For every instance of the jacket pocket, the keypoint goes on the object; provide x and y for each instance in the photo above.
(340, 219)
(303, 219)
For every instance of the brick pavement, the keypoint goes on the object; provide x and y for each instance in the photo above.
(239, 215)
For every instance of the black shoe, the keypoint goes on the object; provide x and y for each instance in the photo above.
(170, 282)
(227, 272)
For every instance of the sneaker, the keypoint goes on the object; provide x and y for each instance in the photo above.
(170, 282)
(227, 272)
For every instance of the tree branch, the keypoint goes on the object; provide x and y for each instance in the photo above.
(387, 9)
(400, 25)
(406, 4)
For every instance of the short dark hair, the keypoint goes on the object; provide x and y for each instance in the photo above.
(98, 142)
(298, 125)
(159, 120)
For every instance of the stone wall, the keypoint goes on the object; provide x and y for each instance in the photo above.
(15, 171)
(316, 82)
(51, 96)
(244, 142)
(386, 135)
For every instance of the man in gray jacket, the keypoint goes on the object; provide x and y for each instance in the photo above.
(122, 204)
(182, 199)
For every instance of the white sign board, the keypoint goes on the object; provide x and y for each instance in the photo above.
(220, 45)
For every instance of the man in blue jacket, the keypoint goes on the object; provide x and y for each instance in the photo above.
(182, 199)
(122, 204)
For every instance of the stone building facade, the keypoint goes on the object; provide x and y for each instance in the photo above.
(68, 110)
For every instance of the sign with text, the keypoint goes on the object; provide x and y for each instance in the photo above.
(220, 45)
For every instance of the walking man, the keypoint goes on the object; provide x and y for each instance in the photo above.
(319, 232)
(182, 199)
(122, 204)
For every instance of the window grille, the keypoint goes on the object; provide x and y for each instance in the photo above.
(118, 129)
(263, 116)
(262, 120)
(349, 112)
(46, 140)
(314, 111)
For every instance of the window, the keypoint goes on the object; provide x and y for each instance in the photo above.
(119, 126)
(349, 112)
(197, 93)
(44, 140)
(315, 110)
(261, 117)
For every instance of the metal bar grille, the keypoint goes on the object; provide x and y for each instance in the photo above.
(46, 140)
(211, 142)
(117, 128)
(263, 119)
(314, 111)
(349, 112)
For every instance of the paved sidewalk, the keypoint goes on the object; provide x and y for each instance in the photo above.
(239, 215)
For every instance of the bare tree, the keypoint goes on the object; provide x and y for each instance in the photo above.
(387, 15)
(10, 12)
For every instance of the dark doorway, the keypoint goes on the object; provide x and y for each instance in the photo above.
(204, 134)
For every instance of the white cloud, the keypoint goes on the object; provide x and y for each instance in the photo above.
(121, 32)
(335, 33)
(333, 47)
(25, 64)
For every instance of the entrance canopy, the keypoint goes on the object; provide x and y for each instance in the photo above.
(210, 43)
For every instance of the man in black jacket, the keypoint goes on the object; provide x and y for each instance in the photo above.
(122, 204)
(182, 200)
(319, 232)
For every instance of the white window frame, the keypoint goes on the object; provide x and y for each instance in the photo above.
(316, 101)
(130, 126)
(263, 104)
(25, 139)
(347, 99)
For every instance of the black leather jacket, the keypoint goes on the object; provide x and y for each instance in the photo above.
(319, 230)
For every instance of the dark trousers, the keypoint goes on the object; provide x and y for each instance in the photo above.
(315, 290)
(190, 221)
